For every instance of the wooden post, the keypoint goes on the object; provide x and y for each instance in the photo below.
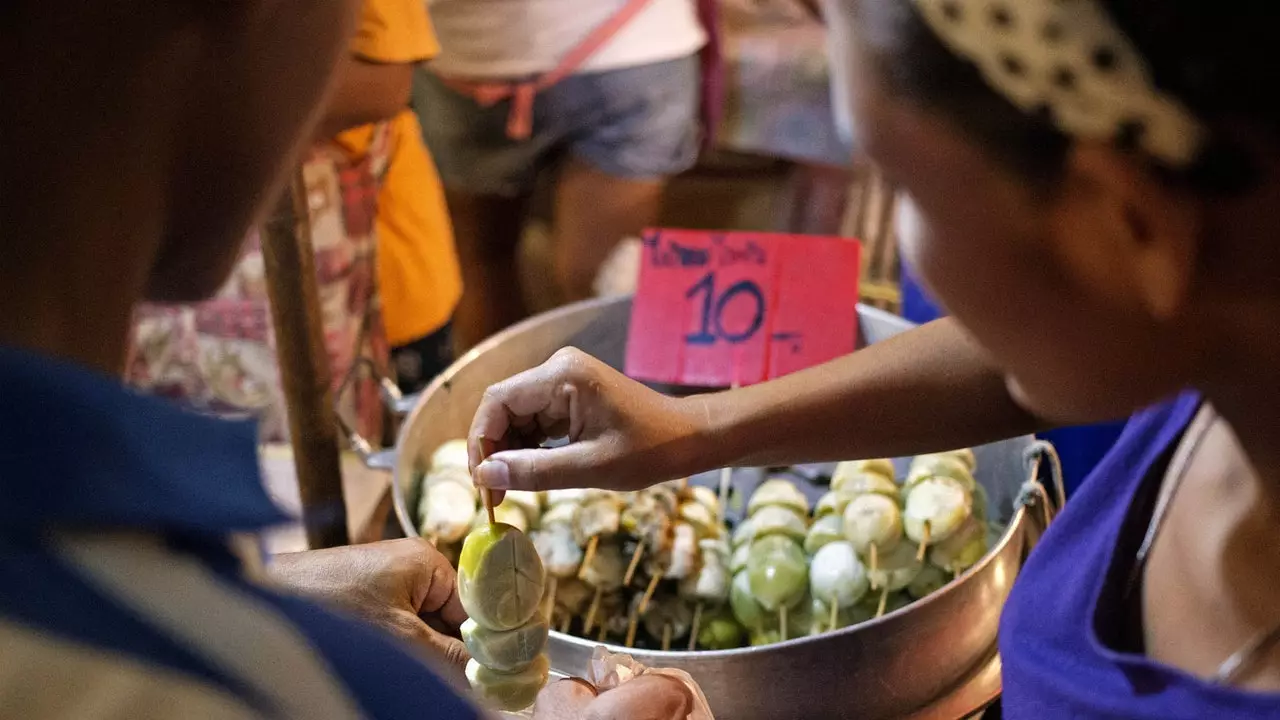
(304, 366)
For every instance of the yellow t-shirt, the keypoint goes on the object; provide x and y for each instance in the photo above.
(418, 274)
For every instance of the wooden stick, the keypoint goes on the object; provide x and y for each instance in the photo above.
(568, 620)
(835, 614)
(726, 481)
(592, 609)
(648, 592)
(666, 637)
(588, 556)
(873, 561)
(635, 563)
(604, 632)
(782, 621)
(693, 628)
(551, 597)
(486, 497)
(884, 599)
(924, 541)
(305, 375)
(632, 621)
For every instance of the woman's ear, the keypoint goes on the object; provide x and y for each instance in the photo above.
(1125, 231)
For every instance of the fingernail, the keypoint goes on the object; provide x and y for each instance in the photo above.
(494, 474)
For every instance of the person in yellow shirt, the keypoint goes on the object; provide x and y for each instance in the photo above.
(417, 265)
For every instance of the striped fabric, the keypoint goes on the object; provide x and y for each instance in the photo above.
(120, 595)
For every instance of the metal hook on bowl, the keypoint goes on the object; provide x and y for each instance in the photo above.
(1034, 492)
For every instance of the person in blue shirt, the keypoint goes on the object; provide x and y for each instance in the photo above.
(1095, 193)
(141, 140)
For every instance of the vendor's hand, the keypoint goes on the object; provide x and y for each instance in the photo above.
(404, 586)
(622, 435)
(648, 697)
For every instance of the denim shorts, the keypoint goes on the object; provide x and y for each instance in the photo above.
(636, 123)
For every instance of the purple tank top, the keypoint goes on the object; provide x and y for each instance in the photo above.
(1067, 637)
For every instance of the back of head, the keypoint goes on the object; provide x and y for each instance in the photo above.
(141, 140)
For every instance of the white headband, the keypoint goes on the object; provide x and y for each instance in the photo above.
(1069, 57)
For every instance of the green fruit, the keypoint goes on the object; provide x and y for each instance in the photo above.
(927, 466)
(738, 562)
(831, 503)
(745, 606)
(766, 637)
(507, 651)
(876, 466)
(896, 568)
(508, 692)
(827, 529)
(853, 484)
(720, 632)
(500, 577)
(778, 572)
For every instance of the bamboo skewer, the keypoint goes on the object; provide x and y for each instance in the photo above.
(632, 620)
(551, 596)
(648, 592)
(835, 614)
(693, 627)
(588, 556)
(564, 624)
(924, 541)
(884, 599)
(635, 563)
(873, 561)
(592, 609)
(782, 622)
(666, 637)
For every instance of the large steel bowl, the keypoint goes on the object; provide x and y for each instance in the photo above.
(884, 668)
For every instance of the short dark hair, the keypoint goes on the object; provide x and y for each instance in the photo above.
(1213, 55)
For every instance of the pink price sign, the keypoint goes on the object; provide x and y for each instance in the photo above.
(716, 309)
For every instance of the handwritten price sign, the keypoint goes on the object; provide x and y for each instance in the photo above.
(715, 309)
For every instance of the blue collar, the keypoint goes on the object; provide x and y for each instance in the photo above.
(78, 448)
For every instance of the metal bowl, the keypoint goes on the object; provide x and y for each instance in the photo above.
(884, 668)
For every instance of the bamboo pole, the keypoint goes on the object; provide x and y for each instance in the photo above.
(289, 259)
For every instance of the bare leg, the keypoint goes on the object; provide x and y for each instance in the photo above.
(595, 211)
(488, 229)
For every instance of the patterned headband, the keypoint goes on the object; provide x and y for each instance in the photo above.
(1069, 57)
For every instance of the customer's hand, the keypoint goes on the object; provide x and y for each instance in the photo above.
(404, 586)
(648, 697)
(622, 435)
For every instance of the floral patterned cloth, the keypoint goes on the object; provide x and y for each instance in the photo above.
(220, 356)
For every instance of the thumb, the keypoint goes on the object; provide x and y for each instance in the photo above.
(575, 465)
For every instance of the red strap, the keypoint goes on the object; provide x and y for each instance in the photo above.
(520, 117)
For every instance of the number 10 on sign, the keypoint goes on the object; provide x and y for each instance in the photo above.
(719, 309)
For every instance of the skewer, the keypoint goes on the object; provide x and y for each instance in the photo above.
(632, 621)
(592, 609)
(485, 495)
(693, 627)
(666, 637)
(564, 624)
(835, 614)
(884, 599)
(604, 632)
(924, 542)
(431, 538)
(873, 562)
(782, 622)
(648, 592)
(588, 556)
(551, 597)
(635, 563)
(726, 479)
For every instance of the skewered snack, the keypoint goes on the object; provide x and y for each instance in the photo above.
(778, 492)
(826, 529)
(710, 585)
(873, 523)
(965, 547)
(602, 571)
(719, 631)
(746, 608)
(451, 454)
(779, 575)
(667, 619)
(447, 511)
(928, 466)
(500, 577)
(775, 520)
(509, 691)
(877, 466)
(852, 484)
(507, 651)
(500, 583)
(897, 569)
(831, 503)
(936, 508)
(738, 560)
(930, 579)
(836, 576)
(528, 502)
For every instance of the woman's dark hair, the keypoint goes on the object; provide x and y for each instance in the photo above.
(1213, 55)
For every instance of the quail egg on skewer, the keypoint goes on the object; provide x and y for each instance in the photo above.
(837, 577)
(924, 467)
(873, 523)
(832, 503)
(708, 586)
(508, 691)
(936, 508)
(451, 454)
(668, 618)
(897, 569)
(778, 492)
(962, 549)
(561, 556)
(603, 572)
(775, 520)
(853, 484)
(826, 529)
(876, 466)
(446, 512)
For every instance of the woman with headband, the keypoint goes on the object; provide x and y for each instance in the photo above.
(1094, 195)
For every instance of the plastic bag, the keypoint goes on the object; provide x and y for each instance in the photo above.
(609, 670)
